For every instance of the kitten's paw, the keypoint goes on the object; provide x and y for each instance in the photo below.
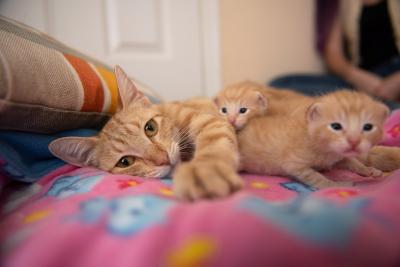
(196, 180)
(373, 172)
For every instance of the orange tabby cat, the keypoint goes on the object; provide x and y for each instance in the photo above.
(150, 140)
(330, 132)
(242, 101)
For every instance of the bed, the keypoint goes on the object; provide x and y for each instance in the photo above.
(54, 214)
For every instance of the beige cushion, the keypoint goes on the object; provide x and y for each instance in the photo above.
(48, 87)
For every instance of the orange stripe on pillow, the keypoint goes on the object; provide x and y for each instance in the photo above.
(111, 81)
(94, 95)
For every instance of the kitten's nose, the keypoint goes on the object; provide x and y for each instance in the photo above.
(354, 142)
(232, 120)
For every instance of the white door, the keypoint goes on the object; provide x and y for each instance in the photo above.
(170, 45)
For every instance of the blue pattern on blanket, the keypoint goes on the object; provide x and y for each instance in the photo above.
(311, 218)
(298, 187)
(66, 186)
(25, 156)
(126, 215)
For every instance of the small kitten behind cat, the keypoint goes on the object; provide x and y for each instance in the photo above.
(330, 132)
(240, 102)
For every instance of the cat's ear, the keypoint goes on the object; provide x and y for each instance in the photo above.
(74, 150)
(313, 112)
(262, 101)
(128, 93)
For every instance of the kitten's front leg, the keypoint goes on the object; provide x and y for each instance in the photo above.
(315, 179)
(356, 166)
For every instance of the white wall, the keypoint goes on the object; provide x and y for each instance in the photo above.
(264, 38)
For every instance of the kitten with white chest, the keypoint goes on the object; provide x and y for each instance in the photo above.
(143, 139)
(330, 132)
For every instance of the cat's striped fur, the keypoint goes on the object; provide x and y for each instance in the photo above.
(142, 139)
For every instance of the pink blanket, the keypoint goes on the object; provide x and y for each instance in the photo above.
(89, 218)
(85, 217)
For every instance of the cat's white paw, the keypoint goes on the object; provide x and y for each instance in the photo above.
(196, 180)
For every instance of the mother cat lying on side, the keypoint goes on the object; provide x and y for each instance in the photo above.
(150, 140)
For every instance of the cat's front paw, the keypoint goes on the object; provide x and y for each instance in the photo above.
(196, 180)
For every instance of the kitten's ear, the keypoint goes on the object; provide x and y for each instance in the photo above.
(385, 110)
(262, 100)
(128, 93)
(216, 100)
(313, 112)
(74, 150)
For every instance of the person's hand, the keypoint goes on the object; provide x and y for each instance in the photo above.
(390, 87)
(364, 81)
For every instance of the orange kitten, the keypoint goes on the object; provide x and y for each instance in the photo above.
(242, 101)
(148, 140)
(330, 132)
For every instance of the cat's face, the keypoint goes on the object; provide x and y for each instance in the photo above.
(239, 103)
(137, 140)
(346, 123)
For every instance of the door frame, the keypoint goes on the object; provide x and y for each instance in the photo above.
(211, 49)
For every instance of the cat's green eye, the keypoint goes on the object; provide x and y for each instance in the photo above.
(125, 161)
(151, 128)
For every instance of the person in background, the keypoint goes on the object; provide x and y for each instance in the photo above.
(359, 41)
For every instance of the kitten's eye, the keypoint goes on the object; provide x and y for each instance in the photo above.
(368, 127)
(125, 161)
(243, 110)
(224, 110)
(151, 128)
(336, 126)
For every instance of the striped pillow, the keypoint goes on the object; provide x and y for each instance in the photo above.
(47, 87)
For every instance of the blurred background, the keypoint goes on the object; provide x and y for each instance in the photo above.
(182, 48)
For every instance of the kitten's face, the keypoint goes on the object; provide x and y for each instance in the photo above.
(346, 123)
(138, 140)
(238, 105)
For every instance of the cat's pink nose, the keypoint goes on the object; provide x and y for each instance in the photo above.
(162, 159)
(232, 120)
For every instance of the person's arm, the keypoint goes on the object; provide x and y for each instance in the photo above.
(341, 66)
(390, 87)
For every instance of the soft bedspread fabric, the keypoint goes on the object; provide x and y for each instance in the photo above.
(89, 218)
(85, 217)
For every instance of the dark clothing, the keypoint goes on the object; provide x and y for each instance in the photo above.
(317, 84)
(377, 42)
